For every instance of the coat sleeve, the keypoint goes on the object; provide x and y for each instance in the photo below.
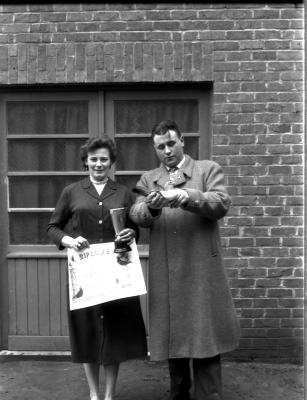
(140, 213)
(59, 219)
(214, 202)
(130, 223)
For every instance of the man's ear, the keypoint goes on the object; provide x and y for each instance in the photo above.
(182, 140)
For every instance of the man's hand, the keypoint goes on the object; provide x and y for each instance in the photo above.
(156, 201)
(175, 197)
(167, 198)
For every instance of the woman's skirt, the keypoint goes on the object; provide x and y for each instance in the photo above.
(108, 333)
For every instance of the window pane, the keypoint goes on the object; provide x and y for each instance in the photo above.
(44, 155)
(191, 147)
(141, 155)
(139, 116)
(47, 117)
(29, 228)
(37, 191)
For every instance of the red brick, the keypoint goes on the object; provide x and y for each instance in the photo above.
(239, 35)
(245, 323)
(289, 262)
(253, 190)
(282, 293)
(289, 242)
(265, 303)
(79, 16)
(113, 26)
(253, 333)
(267, 323)
(293, 283)
(27, 17)
(53, 17)
(256, 231)
(268, 35)
(277, 312)
(252, 313)
(158, 15)
(244, 303)
(166, 25)
(252, 293)
(250, 252)
(78, 37)
(298, 313)
(131, 36)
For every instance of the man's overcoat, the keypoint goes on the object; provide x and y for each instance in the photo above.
(191, 312)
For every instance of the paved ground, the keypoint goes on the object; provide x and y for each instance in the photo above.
(24, 378)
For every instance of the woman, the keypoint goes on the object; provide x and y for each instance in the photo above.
(112, 332)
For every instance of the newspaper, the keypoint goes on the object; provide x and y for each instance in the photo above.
(97, 275)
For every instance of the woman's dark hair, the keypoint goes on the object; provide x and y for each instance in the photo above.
(95, 143)
(162, 127)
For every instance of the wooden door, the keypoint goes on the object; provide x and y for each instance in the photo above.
(41, 133)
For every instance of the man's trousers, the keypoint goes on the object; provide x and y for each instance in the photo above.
(207, 378)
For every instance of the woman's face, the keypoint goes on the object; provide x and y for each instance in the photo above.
(99, 164)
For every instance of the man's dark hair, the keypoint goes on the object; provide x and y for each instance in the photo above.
(95, 143)
(162, 127)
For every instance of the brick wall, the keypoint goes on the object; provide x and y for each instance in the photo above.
(253, 54)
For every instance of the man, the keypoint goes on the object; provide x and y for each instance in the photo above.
(191, 314)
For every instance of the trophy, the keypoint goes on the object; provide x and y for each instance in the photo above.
(118, 217)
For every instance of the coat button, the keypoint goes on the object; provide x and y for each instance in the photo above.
(100, 203)
(100, 221)
(101, 316)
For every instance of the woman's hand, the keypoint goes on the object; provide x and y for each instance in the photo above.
(80, 243)
(126, 235)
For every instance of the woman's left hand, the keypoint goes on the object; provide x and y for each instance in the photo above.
(126, 235)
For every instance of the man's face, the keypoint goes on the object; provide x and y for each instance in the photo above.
(169, 148)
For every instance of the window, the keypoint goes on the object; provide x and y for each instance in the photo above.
(45, 131)
(44, 134)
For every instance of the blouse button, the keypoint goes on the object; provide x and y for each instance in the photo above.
(100, 221)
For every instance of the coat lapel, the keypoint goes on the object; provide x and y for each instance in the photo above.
(109, 189)
(162, 177)
(188, 165)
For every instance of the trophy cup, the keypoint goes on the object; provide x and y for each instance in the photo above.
(118, 217)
